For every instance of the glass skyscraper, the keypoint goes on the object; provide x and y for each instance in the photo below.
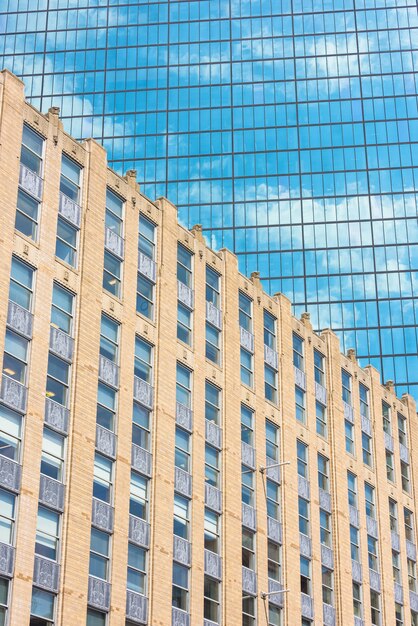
(288, 128)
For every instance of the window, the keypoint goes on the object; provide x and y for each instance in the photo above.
(390, 470)
(364, 401)
(106, 406)
(246, 367)
(141, 426)
(144, 297)
(323, 472)
(247, 425)
(325, 528)
(327, 585)
(112, 274)
(403, 439)
(181, 516)
(303, 508)
(7, 516)
(66, 243)
(180, 586)
(32, 150)
(114, 213)
(42, 608)
(213, 287)
(211, 599)
(143, 360)
(319, 368)
(272, 442)
(70, 179)
(396, 567)
(211, 526)
(184, 266)
(184, 324)
(346, 387)
(372, 553)
(245, 312)
(248, 548)
(273, 499)
(302, 457)
(321, 419)
(270, 331)
(366, 444)
(95, 618)
(247, 485)
(183, 385)
(102, 480)
(349, 437)
(138, 501)
(399, 614)
(27, 215)
(213, 341)
(406, 486)
(412, 575)
(248, 610)
(28, 207)
(270, 383)
(212, 403)
(352, 489)
(298, 360)
(10, 433)
(62, 309)
(354, 543)
(47, 533)
(275, 615)
(300, 405)
(212, 466)
(393, 515)
(414, 618)
(375, 607)
(4, 600)
(57, 380)
(273, 553)
(109, 331)
(21, 284)
(52, 460)
(99, 554)
(182, 450)
(305, 575)
(409, 525)
(357, 600)
(15, 358)
(370, 500)
(146, 239)
(136, 580)
(386, 418)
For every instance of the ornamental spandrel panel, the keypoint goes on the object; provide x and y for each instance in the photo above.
(366, 425)
(102, 515)
(139, 531)
(320, 394)
(7, 560)
(20, 319)
(114, 243)
(247, 455)
(395, 541)
(305, 545)
(143, 392)
(99, 593)
(181, 550)
(371, 525)
(182, 482)
(389, 442)
(411, 551)
(413, 601)
(274, 530)
(354, 516)
(105, 441)
(358, 621)
(276, 598)
(30, 182)
(300, 378)
(213, 498)
(213, 434)
(136, 607)
(179, 617)
(271, 357)
(70, 210)
(374, 580)
(304, 490)
(327, 557)
(246, 339)
(307, 606)
(108, 372)
(398, 592)
(249, 517)
(147, 267)
(13, 394)
(213, 565)
(10, 474)
(348, 412)
(249, 581)
(184, 416)
(325, 500)
(213, 315)
(185, 295)
(328, 613)
(208, 622)
(46, 574)
(61, 344)
(51, 493)
(356, 572)
(273, 473)
(404, 453)
(141, 460)
(56, 416)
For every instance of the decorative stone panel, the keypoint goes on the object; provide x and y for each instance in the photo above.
(304, 490)
(213, 565)
(404, 453)
(143, 392)
(274, 530)
(307, 606)
(356, 572)
(7, 559)
(213, 498)
(371, 525)
(102, 515)
(114, 243)
(136, 607)
(213, 434)
(395, 540)
(366, 425)
(51, 493)
(13, 394)
(413, 601)
(99, 593)
(30, 182)
(358, 621)
(208, 622)
(213, 315)
(108, 372)
(139, 531)
(305, 545)
(328, 612)
(20, 319)
(276, 598)
(179, 618)
(10, 474)
(411, 551)
(249, 581)
(247, 455)
(354, 516)
(181, 550)
(300, 378)
(147, 267)
(246, 339)
(273, 473)
(249, 518)
(56, 416)
(271, 357)
(348, 412)
(185, 295)
(389, 442)
(398, 593)
(105, 441)
(184, 416)
(325, 500)
(141, 460)
(374, 580)
(46, 574)
(327, 557)
(320, 394)
(61, 344)
(182, 482)
(70, 210)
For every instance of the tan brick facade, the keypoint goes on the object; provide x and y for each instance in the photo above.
(91, 300)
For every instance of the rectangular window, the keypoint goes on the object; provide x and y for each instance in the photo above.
(366, 445)
(393, 515)
(184, 266)
(270, 338)
(212, 403)
(7, 516)
(27, 215)
(213, 287)
(57, 380)
(275, 615)
(146, 239)
(10, 433)
(349, 437)
(300, 405)
(355, 543)
(180, 591)
(211, 599)
(52, 460)
(412, 575)
(145, 297)
(4, 600)
(327, 586)
(143, 360)
(386, 418)
(213, 344)
(302, 458)
(212, 466)
(141, 417)
(15, 357)
(246, 365)
(99, 554)
(102, 480)
(181, 517)
(272, 442)
(136, 578)
(114, 213)
(248, 548)
(375, 608)
(406, 484)
(183, 385)
(273, 554)
(42, 607)
(357, 609)
(303, 509)
(138, 501)
(403, 439)
(66, 243)
(325, 528)
(321, 419)
(245, 312)
(270, 383)
(247, 425)
(31, 153)
(112, 272)
(409, 525)
(399, 614)
(47, 533)
(396, 567)
(70, 179)
(62, 309)
(212, 529)
(106, 406)
(372, 553)
(184, 324)
(182, 449)
(319, 368)
(298, 359)
(364, 401)
(21, 284)
(323, 472)
(109, 339)
(370, 500)
(273, 499)
(346, 387)
(414, 618)
(248, 610)
(247, 485)
(390, 469)
(305, 575)
(352, 489)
